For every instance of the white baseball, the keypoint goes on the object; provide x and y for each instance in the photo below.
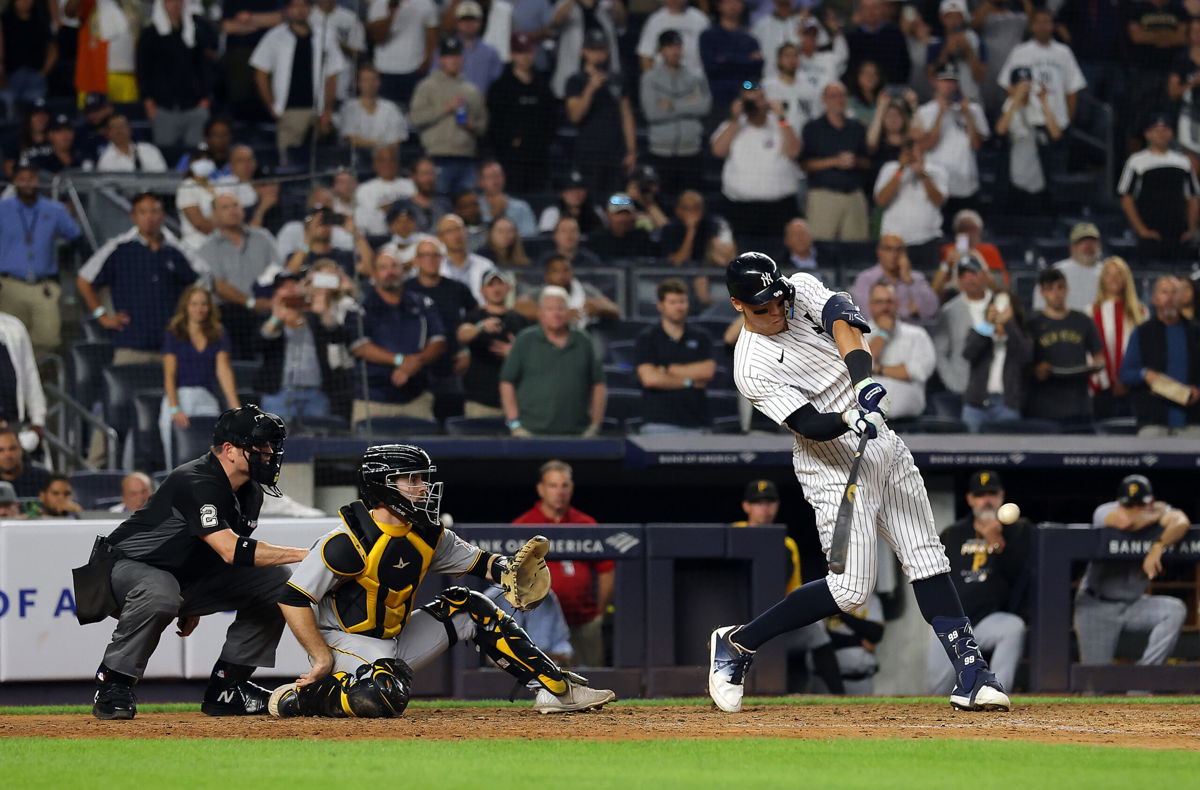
(447, 521)
(1008, 513)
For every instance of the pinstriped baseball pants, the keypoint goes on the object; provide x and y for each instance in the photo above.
(890, 502)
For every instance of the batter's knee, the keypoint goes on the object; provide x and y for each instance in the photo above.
(852, 595)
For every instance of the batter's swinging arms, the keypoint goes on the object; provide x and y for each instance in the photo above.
(791, 361)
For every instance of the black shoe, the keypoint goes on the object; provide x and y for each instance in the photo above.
(241, 699)
(114, 697)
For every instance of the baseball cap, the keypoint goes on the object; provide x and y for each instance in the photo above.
(1020, 74)
(947, 71)
(950, 6)
(400, 208)
(646, 174)
(985, 481)
(1084, 230)
(669, 38)
(7, 493)
(620, 202)
(468, 9)
(1135, 490)
(496, 274)
(285, 275)
(59, 121)
(595, 39)
(95, 101)
(573, 180)
(1158, 119)
(520, 42)
(969, 263)
(810, 25)
(450, 46)
(761, 491)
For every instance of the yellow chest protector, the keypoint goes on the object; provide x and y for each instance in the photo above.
(382, 566)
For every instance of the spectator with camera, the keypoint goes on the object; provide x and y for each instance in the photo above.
(405, 35)
(998, 351)
(967, 227)
(375, 195)
(1034, 138)
(321, 229)
(675, 102)
(400, 334)
(622, 239)
(1160, 368)
(644, 187)
(1066, 346)
(911, 191)
(237, 255)
(834, 156)
(449, 112)
(954, 320)
(196, 369)
(291, 236)
(674, 364)
(759, 177)
(519, 138)
(453, 301)
(304, 346)
(369, 120)
(174, 73)
(952, 128)
(957, 51)
(487, 333)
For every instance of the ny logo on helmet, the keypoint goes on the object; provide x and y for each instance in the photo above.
(766, 278)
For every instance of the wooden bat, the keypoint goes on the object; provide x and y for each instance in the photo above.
(841, 526)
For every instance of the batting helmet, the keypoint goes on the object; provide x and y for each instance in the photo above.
(754, 278)
(1135, 490)
(384, 478)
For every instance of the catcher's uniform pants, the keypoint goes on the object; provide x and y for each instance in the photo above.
(1000, 635)
(1099, 624)
(890, 502)
(423, 639)
(152, 599)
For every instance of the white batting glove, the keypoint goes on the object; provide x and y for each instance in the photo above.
(861, 422)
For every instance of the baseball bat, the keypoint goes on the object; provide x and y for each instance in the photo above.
(841, 526)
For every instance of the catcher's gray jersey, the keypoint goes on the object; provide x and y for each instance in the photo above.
(802, 365)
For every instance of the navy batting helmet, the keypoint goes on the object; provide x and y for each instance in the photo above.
(754, 279)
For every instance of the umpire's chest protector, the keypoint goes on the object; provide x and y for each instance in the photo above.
(383, 565)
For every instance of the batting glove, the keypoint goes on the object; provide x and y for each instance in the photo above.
(859, 421)
(872, 396)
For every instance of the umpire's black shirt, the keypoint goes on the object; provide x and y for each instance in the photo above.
(196, 499)
(684, 407)
(988, 580)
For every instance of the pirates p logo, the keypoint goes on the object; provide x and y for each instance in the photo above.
(1132, 489)
(984, 478)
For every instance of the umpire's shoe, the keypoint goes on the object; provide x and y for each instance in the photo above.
(114, 697)
(230, 693)
(985, 694)
(577, 697)
(728, 664)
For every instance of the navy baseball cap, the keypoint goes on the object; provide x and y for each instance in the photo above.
(1158, 119)
(451, 45)
(595, 39)
(401, 208)
(669, 38)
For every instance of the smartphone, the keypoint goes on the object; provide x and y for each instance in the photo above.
(297, 302)
(325, 280)
(962, 243)
(1001, 302)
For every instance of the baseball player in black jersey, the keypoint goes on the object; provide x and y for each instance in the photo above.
(365, 638)
(189, 553)
(802, 361)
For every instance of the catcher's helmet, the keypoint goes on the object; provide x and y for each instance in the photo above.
(251, 429)
(754, 278)
(385, 478)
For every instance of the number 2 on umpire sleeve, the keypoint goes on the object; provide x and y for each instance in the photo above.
(208, 516)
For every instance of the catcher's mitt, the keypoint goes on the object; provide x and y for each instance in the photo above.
(526, 580)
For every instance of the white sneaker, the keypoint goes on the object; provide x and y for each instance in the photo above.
(987, 695)
(727, 667)
(577, 698)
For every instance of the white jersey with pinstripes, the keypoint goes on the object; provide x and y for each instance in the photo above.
(802, 365)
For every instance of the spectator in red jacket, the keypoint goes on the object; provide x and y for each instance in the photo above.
(583, 588)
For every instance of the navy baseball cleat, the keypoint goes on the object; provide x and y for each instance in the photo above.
(241, 699)
(987, 694)
(114, 698)
(728, 664)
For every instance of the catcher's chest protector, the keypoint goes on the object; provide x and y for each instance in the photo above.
(384, 565)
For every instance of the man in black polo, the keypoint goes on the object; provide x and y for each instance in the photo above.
(188, 553)
(452, 300)
(622, 239)
(835, 158)
(1159, 196)
(675, 364)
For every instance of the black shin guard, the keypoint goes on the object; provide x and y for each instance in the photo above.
(499, 638)
(326, 697)
(380, 690)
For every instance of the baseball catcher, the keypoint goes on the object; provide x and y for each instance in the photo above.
(364, 638)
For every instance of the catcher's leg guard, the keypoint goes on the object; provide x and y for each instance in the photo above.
(326, 697)
(380, 690)
(498, 637)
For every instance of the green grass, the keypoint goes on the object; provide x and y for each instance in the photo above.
(185, 707)
(748, 763)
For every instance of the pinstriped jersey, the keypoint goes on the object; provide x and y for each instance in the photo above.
(781, 373)
(362, 575)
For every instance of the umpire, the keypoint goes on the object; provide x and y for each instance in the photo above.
(188, 553)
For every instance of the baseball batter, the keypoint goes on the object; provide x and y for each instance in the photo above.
(364, 637)
(802, 361)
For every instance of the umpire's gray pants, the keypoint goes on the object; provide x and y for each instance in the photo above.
(153, 598)
(1098, 624)
(1001, 635)
(173, 128)
(422, 639)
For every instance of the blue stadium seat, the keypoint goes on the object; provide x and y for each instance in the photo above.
(620, 377)
(621, 353)
(330, 425)
(944, 404)
(397, 426)
(89, 487)
(476, 426)
(88, 361)
(121, 384)
(1025, 425)
(624, 404)
(1117, 426)
(194, 440)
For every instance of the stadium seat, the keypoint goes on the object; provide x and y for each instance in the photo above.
(621, 353)
(932, 423)
(727, 425)
(620, 377)
(90, 487)
(944, 404)
(476, 426)
(147, 405)
(88, 361)
(723, 404)
(192, 441)
(396, 426)
(624, 404)
(1117, 426)
(1027, 425)
(330, 425)
(121, 384)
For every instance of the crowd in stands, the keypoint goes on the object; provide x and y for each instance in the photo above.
(532, 201)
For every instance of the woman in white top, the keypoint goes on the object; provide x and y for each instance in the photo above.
(1116, 312)
(194, 199)
(370, 121)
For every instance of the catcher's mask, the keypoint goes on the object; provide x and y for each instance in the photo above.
(400, 478)
(259, 435)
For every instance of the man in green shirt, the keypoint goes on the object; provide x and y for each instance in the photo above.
(552, 382)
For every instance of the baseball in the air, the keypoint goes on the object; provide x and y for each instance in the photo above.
(1008, 513)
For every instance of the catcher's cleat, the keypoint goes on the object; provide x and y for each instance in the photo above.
(577, 697)
(728, 664)
(987, 694)
(284, 702)
(242, 699)
(114, 698)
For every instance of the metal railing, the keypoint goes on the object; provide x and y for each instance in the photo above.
(69, 442)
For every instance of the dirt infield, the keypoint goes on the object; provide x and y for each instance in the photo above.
(1156, 726)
